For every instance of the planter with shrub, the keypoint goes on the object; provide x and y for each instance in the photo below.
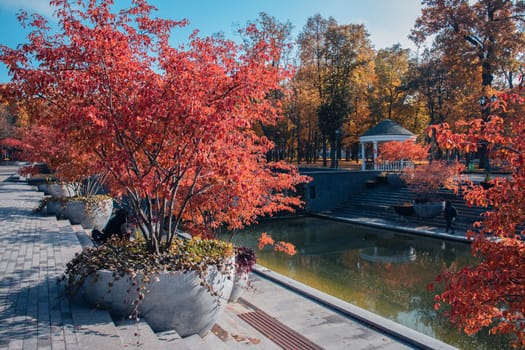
(171, 128)
(184, 289)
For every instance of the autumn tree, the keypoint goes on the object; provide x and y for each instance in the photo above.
(10, 121)
(279, 35)
(172, 126)
(491, 294)
(402, 150)
(480, 42)
(302, 108)
(331, 56)
(308, 83)
(7, 123)
(347, 47)
(431, 81)
(391, 67)
(484, 33)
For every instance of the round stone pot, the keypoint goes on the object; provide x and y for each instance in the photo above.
(240, 283)
(177, 300)
(90, 214)
(429, 209)
(53, 207)
(60, 190)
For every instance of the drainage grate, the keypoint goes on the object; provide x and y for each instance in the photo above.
(277, 332)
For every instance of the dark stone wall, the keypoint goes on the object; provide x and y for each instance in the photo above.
(330, 187)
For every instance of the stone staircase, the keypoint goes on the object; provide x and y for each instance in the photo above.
(378, 201)
(98, 327)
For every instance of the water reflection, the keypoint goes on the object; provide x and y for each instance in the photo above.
(388, 255)
(383, 271)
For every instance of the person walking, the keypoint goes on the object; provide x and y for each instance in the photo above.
(450, 216)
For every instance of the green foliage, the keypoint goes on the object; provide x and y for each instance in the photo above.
(91, 201)
(133, 257)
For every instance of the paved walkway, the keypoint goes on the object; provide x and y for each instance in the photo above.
(34, 311)
(35, 314)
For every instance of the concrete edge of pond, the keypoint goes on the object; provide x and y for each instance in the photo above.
(427, 231)
(370, 319)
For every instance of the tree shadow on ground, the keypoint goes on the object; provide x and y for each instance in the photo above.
(44, 314)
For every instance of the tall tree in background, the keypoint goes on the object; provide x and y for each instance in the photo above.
(479, 43)
(309, 79)
(391, 88)
(485, 34)
(279, 35)
(347, 47)
(7, 122)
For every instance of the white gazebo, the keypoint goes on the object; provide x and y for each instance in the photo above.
(385, 131)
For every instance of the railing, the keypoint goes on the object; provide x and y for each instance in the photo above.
(394, 166)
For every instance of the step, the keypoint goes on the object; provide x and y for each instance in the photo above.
(195, 342)
(136, 335)
(83, 235)
(213, 342)
(237, 334)
(94, 328)
(171, 340)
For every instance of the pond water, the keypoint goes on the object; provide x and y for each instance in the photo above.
(383, 271)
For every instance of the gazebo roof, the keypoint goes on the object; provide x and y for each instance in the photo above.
(387, 127)
(387, 130)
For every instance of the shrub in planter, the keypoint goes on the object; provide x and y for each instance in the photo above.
(90, 212)
(198, 270)
(171, 127)
(426, 180)
(60, 190)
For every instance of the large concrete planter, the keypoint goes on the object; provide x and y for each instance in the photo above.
(59, 190)
(90, 213)
(429, 209)
(240, 284)
(176, 301)
(53, 206)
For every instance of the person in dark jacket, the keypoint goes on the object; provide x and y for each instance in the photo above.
(116, 226)
(450, 216)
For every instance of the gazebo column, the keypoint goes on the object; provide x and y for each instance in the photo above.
(375, 155)
(363, 160)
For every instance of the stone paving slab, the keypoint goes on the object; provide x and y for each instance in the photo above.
(321, 325)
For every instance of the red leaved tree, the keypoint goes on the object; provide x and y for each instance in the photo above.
(402, 150)
(171, 125)
(425, 178)
(492, 293)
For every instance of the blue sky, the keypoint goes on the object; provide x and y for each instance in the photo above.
(388, 21)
